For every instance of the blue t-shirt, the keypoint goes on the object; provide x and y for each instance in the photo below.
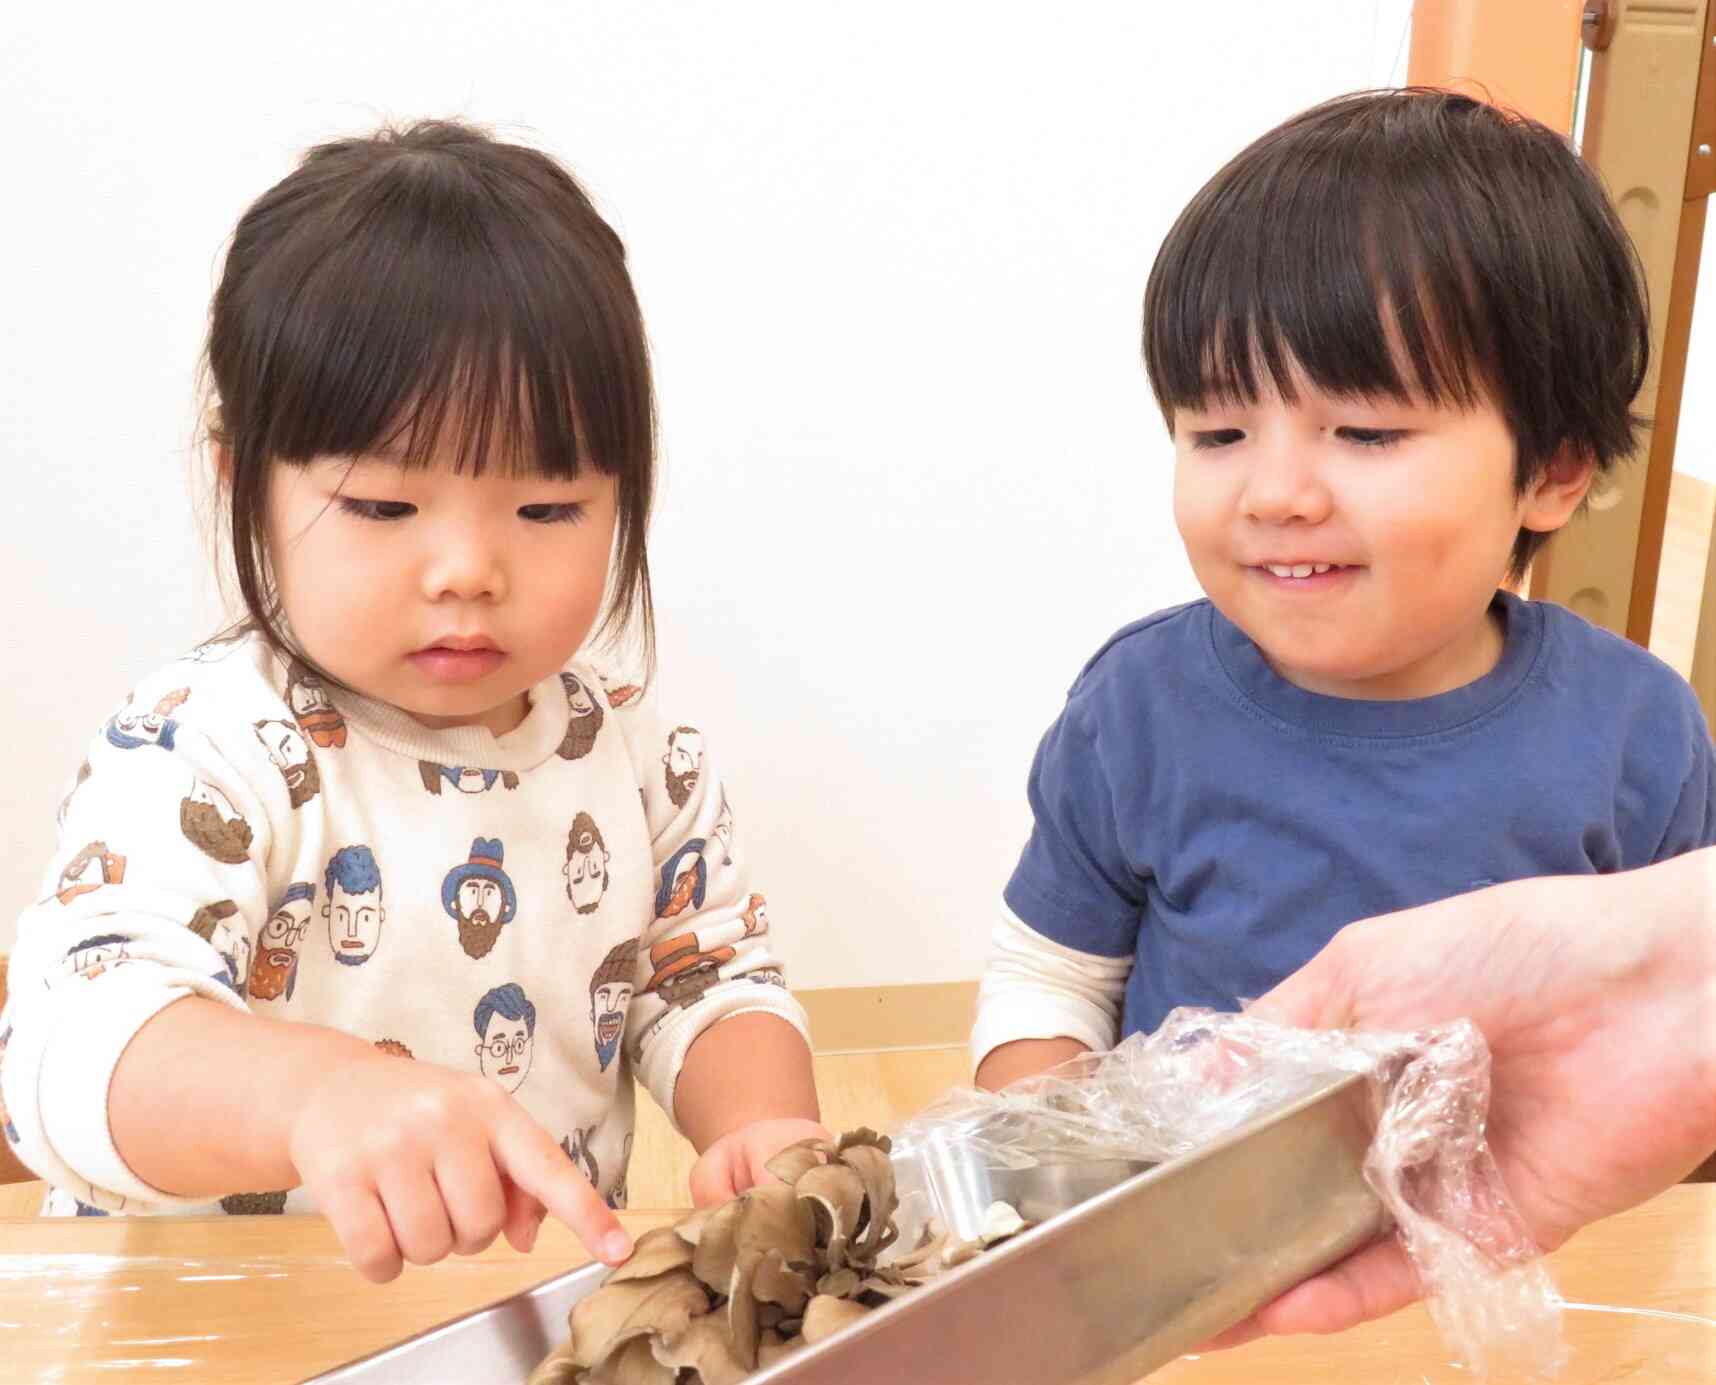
(1199, 813)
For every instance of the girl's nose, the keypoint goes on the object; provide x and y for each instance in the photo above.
(1283, 485)
(464, 566)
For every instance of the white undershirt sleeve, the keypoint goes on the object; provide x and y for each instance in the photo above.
(1034, 988)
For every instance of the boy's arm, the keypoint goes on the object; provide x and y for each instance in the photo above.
(1041, 1003)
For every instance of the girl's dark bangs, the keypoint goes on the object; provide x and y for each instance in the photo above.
(1303, 267)
(444, 332)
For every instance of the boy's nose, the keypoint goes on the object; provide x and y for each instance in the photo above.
(1282, 486)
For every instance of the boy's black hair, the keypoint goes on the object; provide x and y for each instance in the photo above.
(1491, 246)
(435, 291)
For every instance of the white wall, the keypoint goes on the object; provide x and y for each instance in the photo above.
(891, 257)
(1695, 443)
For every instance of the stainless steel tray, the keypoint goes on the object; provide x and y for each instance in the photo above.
(1100, 1295)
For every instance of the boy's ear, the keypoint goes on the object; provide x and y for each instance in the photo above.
(1559, 489)
(221, 455)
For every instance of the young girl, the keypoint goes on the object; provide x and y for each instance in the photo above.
(377, 904)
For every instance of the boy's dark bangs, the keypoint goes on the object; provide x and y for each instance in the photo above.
(1317, 266)
(445, 332)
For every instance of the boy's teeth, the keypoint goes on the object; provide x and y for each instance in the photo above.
(1298, 569)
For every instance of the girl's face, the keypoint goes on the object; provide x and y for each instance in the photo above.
(1359, 543)
(445, 595)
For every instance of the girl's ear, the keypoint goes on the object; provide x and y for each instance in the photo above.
(1560, 488)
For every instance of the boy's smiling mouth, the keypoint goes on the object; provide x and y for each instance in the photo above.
(1302, 570)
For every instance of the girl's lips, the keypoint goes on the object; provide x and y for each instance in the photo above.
(443, 665)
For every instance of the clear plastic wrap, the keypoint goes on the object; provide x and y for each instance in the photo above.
(1204, 1073)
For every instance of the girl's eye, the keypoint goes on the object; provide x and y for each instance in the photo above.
(1216, 437)
(1371, 437)
(376, 509)
(569, 513)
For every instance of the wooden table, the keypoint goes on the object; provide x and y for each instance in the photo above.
(258, 1299)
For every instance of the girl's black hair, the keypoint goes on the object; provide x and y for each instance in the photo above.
(435, 291)
(1410, 243)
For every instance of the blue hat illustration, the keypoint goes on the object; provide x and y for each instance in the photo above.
(487, 853)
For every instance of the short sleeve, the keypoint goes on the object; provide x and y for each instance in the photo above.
(1074, 884)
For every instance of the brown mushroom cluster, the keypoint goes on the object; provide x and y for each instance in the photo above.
(735, 1288)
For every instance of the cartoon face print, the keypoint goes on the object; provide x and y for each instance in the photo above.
(90, 958)
(291, 755)
(505, 1021)
(756, 916)
(684, 761)
(724, 830)
(618, 1197)
(210, 924)
(213, 825)
(274, 971)
(213, 651)
(683, 970)
(71, 793)
(133, 727)
(478, 895)
(610, 994)
(586, 868)
(353, 907)
(618, 696)
(577, 1147)
(316, 714)
(585, 720)
(237, 960)
(90, 869)
(684, 879)
(394, 1047)
(463, 778)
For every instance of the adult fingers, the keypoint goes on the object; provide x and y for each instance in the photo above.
(1369, 1284)
(418, 1215)
(540, 1167)
(362, 1226)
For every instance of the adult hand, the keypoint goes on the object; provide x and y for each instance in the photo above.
(1597, 996)
(735, 1161)
(414, 1162)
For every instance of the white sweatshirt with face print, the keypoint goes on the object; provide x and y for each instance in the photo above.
(560, 909)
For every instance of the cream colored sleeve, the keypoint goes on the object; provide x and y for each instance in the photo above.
(1035, 988)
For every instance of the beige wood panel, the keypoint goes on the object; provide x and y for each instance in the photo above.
(848, 1018)
(877, 1089)
(1643, 93)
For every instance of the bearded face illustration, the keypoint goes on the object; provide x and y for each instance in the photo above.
(477, 907)
(684, 762)
(586, 868)
(274, 969)
(585, 720)
(291, 755)
(212, 824)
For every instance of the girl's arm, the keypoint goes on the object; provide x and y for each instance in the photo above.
(410, 1161)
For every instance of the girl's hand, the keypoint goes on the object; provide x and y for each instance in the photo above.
(735, 1161)
(414, 1162)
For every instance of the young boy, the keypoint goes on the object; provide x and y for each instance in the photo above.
(1394, 340)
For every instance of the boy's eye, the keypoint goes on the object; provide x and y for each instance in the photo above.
(1371, 437)
(376, 509)
(569, 513)
(1216, 437)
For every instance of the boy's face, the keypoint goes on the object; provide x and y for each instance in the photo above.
(1359, 543)
(445, 595)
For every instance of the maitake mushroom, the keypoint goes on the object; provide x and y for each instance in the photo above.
(731, 1289)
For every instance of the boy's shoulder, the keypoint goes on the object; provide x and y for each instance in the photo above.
(1605, 665)
(1142, 645)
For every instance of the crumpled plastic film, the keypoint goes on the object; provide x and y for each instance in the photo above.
(1204, 1073)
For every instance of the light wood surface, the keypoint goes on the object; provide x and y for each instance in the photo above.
(258, 1299)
